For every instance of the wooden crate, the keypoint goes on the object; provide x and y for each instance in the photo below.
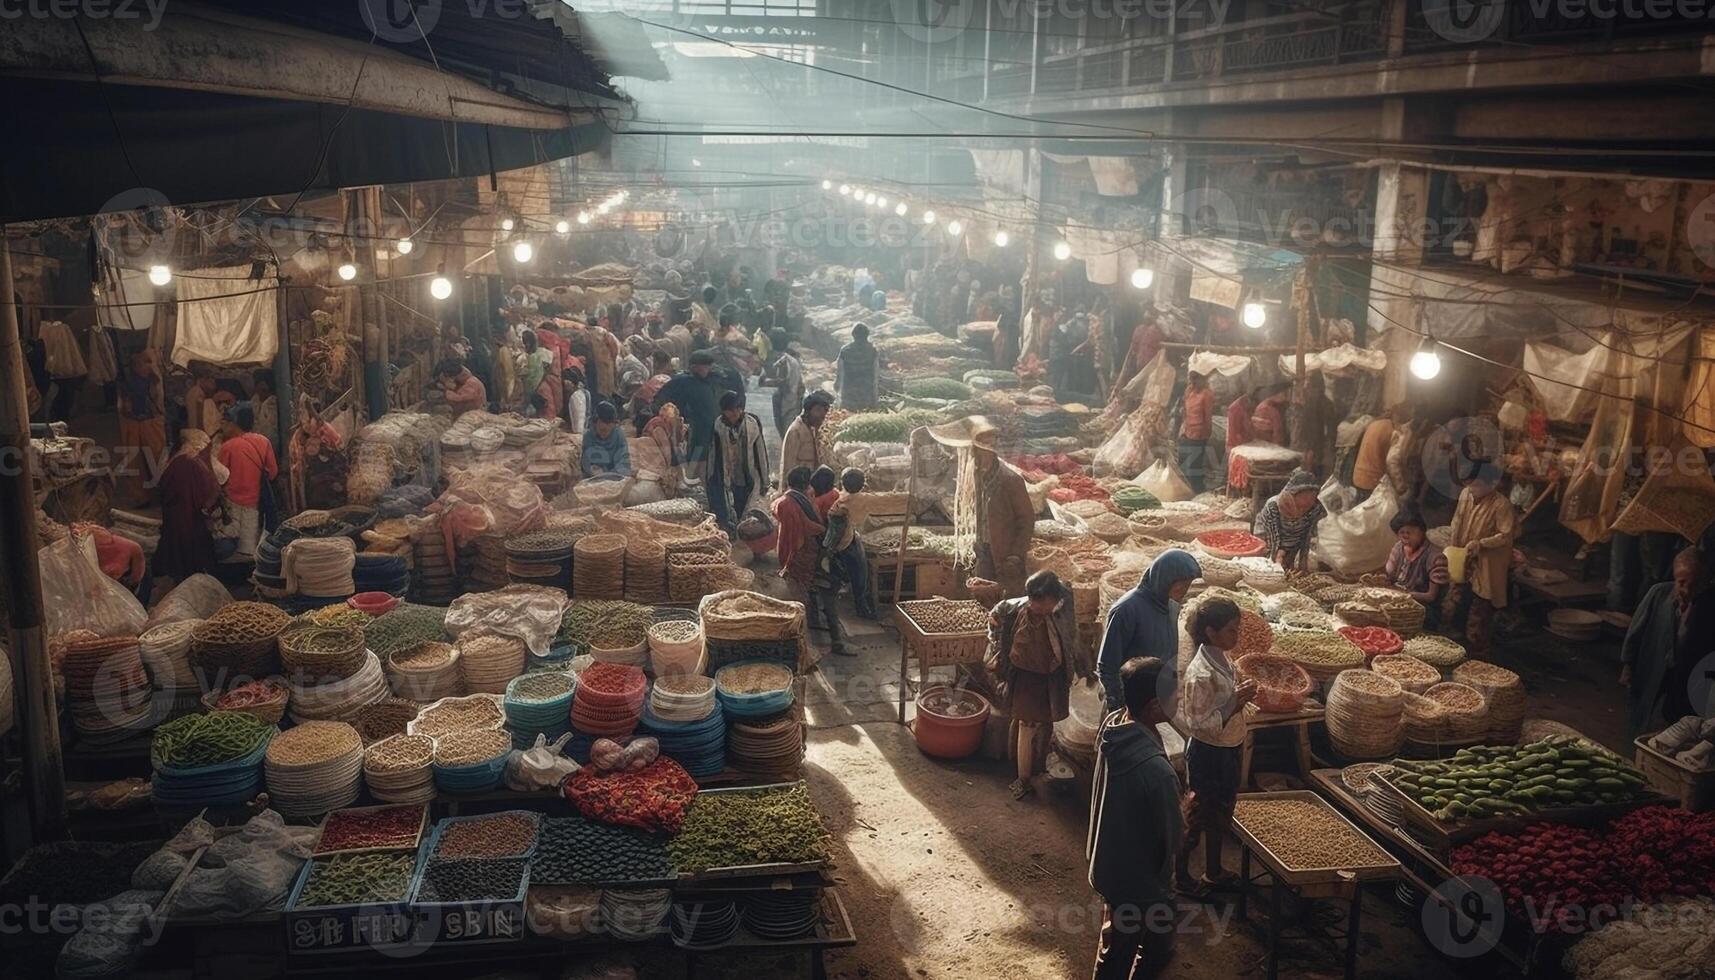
(1694, 789)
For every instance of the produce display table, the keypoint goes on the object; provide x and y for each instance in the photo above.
(1296, 722)
(1444, 835)
(1306, 885)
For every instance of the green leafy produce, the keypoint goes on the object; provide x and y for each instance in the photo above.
(358, 879)
(884, 426)
(1501, 780)
(725, 830)
(404, 626)
(946, 389)
(1134, 498)
(207, 740)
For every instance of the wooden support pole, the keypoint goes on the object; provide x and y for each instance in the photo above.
(21, 581)
(899, 578)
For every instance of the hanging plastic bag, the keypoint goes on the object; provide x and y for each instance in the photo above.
(1336, 497)
(1359, 540)
(1163, 479)
(77, 595)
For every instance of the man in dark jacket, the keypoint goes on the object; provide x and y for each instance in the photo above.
(1145, 621)
(855, 372)
(1135, 827)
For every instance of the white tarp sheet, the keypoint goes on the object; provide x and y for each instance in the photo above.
(226, 318)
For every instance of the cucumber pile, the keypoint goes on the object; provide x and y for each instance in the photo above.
(1503, 780)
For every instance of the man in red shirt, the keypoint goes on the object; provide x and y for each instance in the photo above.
(249, 460)
(464, 391)
(121, 559)
(1194, 432)
(1146, 342)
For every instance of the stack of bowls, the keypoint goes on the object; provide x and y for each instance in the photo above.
(609, 700)
(699, 746)
(754, 688)
(107, 689)
(399, 769)
(767, 749)
(539, 704)
(635, 916)
(703, 925)
(471, 761)
(782, 915)
(313, 768)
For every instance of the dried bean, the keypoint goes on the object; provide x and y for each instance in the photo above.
(358, 879)
(1307, 835)
(500, 835)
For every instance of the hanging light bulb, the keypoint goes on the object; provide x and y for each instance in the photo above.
(695, 162)
(523, 252)
(954, 228)
(901, 209)
(1254, 315)
(507, 224)
(881, 202)
(440, 287)
(826, 184)
(347, 271)
(1062, 251)
(1001, 238)
(405, 245)
(562, 226)
(869, 198)
(583, 217)
(845, 190)
(928, 217)
(1426, 363)
(160, 275)
(1142, 278)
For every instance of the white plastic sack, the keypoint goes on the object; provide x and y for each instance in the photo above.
(246, 872)
(539, 767)
(77, 595)
(109, 945)
(529, 612)
(1336, 497)
(1163, 479)
(1359, 540)
(198, 597)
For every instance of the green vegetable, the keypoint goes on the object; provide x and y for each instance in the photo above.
(207, 740)
(358, 879)
(735, 829)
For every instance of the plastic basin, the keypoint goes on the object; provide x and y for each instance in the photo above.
(946, 736)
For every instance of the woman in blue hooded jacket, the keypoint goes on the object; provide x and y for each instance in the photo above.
(1145, 621)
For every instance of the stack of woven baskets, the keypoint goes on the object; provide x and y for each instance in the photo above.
(432, 580)
(598, 567)
(1503, 693)
(1281, 685)
(645, 569)
(166, 652)
(690, 574)
(107, 690)
(1467, 713)
(1365, 715)
(240, 642)
(541, 557)
(741, 625)
(1409, 672)
(425, 672)
(489, 661)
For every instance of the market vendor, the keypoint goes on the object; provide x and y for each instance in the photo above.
(1287, 520)
(605, 450)
(1136, 827)
(802, 444)
(465, 392)
(1370, 466)
(856, 371)
(1146, 341)
(1672, 632)
(1417, 566)
(738, 467)
(1034, 652)
(189, 493)
(991, 499)
(1268, 420)
(1484, 526)
(121, 559)
(1145, 621)
(1195, 430)
(786, 374)
(697, 395)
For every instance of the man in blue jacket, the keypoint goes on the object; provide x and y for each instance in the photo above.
(1135, 827)
(1145, 621)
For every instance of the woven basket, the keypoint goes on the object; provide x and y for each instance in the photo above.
(1503, 692)
(1281, 685)
(736, 614)
(1462, 723)
(1220, 571)
(988, 593)
(1425, 720)
(1359, 614)
(1365, 715)
(1052, 559)
(646, 571)
(1343, 653)
(690, 574)
(268, 712)
(334, 664)
(220, 662)
(1409, 672)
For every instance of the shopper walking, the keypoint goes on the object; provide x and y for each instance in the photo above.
(1483, 528)
(249, 459)
(738, 468)
(1034, 653)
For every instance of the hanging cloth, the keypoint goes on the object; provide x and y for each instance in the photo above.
(225, 317)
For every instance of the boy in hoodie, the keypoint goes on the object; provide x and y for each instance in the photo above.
(1145, 621)
(1135, 827)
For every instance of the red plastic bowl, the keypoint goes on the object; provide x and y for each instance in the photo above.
(374, 603)
(947, 736)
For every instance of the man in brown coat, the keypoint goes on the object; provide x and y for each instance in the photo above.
(1005, 518)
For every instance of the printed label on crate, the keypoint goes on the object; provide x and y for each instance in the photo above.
(488, 922)
(350, 927)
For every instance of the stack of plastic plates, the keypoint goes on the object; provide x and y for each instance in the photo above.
(107, 690)
(699, 746)
(754, 688)
(471, 761)
(703, 925)
(399, 769)
(782, 914)
(683, 698)
(771, 748)
(381, 573)
(313, 768)
(635, 916)
(539, 704)
(609, 700)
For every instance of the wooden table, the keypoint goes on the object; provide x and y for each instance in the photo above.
(1298, 722)
(933, 650)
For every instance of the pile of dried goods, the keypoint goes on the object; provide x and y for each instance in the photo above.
(375, 828)
(1306, 835)
(947, 615)
(725, 830)
(575, 851)
(509, 834)
(1436, 651)
(207, 740)
(470, 881)
(357, 879)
